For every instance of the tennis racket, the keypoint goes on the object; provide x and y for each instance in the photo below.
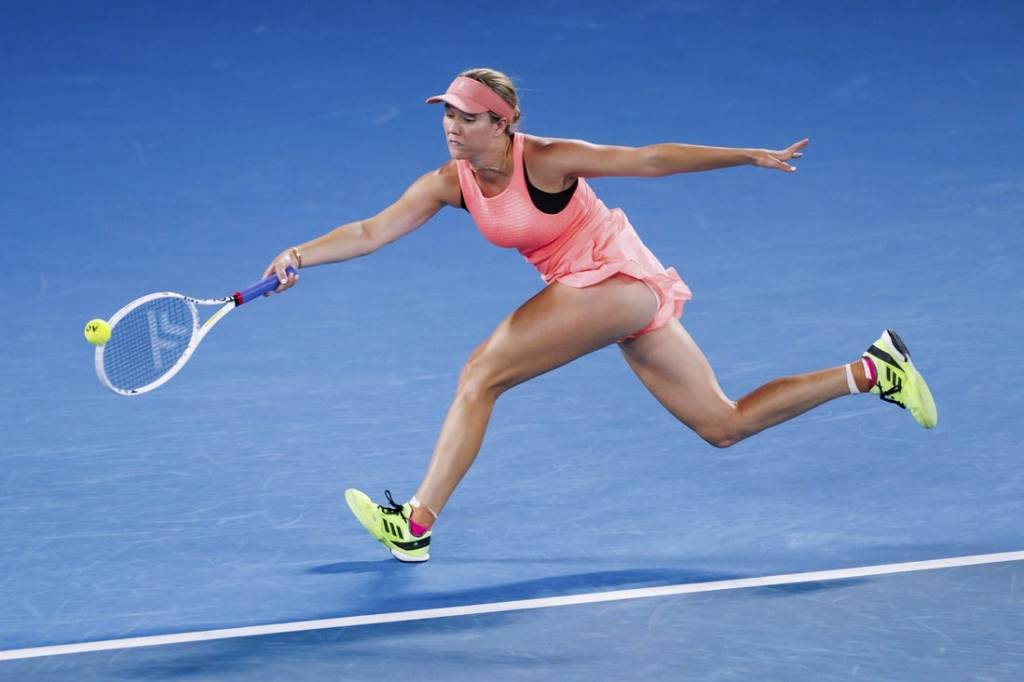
(153, 337)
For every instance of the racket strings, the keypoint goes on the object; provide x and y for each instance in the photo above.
(148, 341)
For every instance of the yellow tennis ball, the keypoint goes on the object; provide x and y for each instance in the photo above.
(97, 332)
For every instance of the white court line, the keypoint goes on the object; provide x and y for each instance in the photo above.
(518, 605)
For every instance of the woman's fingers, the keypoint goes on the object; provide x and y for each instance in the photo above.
(278, 267)
(287, 280)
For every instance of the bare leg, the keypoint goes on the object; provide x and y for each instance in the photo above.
(557, 325)
(675, 371)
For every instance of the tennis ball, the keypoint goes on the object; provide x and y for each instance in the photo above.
(97, 332)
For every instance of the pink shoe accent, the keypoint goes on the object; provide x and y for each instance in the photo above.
(416, 528)
(870, 371)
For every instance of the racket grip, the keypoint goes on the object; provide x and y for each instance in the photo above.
(256, 290)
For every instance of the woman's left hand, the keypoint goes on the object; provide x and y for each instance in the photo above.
(766, 158)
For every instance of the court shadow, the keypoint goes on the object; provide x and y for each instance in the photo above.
(404, 595)
(383, 567)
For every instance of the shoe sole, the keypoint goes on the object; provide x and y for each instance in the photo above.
(923, 408)
(407, 558)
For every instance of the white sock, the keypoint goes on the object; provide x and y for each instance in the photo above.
(416, 504)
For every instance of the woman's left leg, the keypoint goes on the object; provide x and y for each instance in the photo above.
(556, 326)
(674, 369)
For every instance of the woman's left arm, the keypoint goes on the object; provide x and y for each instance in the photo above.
(576, 158)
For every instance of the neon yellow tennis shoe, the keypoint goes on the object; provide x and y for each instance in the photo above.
(898, 381)
(390, 525)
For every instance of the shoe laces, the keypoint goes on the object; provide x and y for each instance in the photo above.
(395, 508)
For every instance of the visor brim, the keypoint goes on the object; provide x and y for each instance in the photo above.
(460, 103)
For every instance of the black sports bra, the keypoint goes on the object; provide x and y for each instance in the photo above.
(545, 202)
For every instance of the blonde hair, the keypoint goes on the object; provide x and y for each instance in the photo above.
(503, 86)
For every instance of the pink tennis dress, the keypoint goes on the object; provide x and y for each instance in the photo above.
(583, 244)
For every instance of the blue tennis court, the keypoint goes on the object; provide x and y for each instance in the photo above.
(151, 147)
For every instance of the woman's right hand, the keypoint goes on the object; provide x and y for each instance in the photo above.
(285, 259)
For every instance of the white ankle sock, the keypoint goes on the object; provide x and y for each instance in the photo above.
(417, 504)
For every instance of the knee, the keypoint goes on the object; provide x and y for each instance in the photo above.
(723, 432)
(480, 379)
(720, 438)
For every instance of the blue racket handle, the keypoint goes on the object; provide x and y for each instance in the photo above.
(256, 290)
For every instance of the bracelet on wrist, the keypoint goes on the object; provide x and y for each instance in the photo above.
(296, 255)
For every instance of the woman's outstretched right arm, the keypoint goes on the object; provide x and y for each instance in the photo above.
(425, 197)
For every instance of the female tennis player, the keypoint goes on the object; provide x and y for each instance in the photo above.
(603, 286)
